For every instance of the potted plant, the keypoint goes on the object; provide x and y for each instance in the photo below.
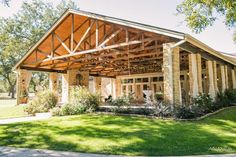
(24, 97)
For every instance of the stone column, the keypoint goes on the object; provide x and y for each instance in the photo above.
(65, 88)
(226, 78)
(222, 78)
(199, 72)
(97, 84)
(106, 87)
(171, 73)
(215, 76)
(210, 79)
(23, 80)
(53, 81)
(118, 87)
(73, 78)
(113, 81)
(233, 78)
(193, 75)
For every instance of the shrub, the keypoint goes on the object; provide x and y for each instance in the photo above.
(120, 101)
(43, 102)
(81, 100)
(221, 100)
(56, 111)
(72, 109)
(204, 102)
(158, 96)
(184, 112)
(231, 95)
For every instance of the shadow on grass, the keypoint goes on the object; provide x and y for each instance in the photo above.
(124, 135)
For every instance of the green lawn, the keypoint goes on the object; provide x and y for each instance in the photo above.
(8, 109)
(126, 135)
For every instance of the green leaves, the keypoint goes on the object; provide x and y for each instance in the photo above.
(21, 31)
(202, 13)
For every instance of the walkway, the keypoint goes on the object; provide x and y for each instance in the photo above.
(23, 152)
(25, 119)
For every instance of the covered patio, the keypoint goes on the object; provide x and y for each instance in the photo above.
(117, 57)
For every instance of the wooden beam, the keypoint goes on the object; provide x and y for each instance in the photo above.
(43, 69)
(83, 37)
(111, 54)
(98, 49)
(97, 33)
(63, 44)
(72, 33)
(110, 37)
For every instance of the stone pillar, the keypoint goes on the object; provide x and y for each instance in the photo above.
(193, 75)
(73, 78)
(65, 88)
(222, 78)
(23, 80)
(235, 74)
(118, 87)
(77, 78)
(113, 81)
(210, 79)
(233, 78)
(171, 73)
(226, 78)
(199, 72)
(215, 76)
(53, 81)
(106, 87)
(97, 84)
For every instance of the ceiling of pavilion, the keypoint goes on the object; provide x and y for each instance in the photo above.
(102, 47)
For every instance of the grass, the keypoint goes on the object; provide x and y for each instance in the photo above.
(126, 135)
(9, 109)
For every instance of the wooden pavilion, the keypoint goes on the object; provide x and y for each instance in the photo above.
(115, 57)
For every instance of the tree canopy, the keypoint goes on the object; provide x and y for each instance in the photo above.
(5, 2)
(202, 13)
(20, 31)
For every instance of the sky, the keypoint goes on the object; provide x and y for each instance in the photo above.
(160, 13)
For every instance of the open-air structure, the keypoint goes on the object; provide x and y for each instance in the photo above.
(116, 57)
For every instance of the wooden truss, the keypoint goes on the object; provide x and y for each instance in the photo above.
(103, 49)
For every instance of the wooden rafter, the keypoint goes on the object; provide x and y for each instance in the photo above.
(83, 37)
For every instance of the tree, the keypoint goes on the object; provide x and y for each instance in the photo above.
(202, 13)
(19, 32)
(5, 2)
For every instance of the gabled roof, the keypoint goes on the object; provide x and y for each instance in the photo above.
(144, 27)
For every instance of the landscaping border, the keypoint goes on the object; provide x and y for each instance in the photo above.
(167, 118)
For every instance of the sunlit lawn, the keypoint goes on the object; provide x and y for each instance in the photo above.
(9, 109)
(126, 135)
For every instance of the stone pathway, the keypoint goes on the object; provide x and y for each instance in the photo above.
(25, 119)
(24, 152)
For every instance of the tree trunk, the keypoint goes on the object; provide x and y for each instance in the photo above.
(13, 92)
(9, 92)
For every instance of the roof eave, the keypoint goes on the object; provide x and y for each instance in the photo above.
(207, 48)
(66, 13)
